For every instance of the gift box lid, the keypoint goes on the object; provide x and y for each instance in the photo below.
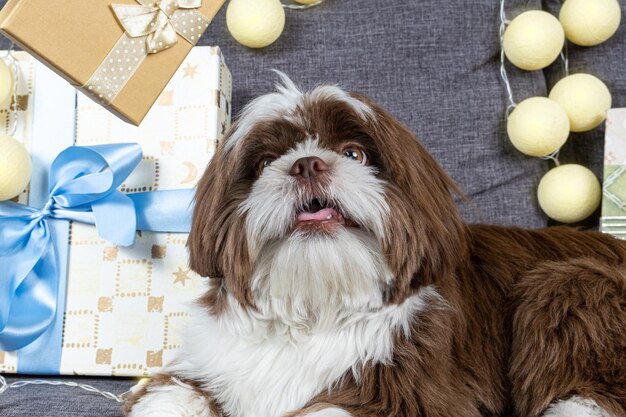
(73, 38)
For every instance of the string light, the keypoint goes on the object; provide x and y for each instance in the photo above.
(4, 386)
(504, 22)
(552, 194)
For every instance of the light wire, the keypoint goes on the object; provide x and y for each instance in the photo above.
(503, 74)
(4, 386)
(14, 113)
(296, 6)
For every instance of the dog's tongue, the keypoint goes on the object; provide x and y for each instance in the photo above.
(323, 214)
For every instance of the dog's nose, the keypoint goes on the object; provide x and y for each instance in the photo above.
(307, 167)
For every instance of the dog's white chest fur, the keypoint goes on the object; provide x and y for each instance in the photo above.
(253, 370)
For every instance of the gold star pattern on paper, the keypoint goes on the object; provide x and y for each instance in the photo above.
(20, 102)
(105, 304)
(109, 253)
(103, 356)
(154, 358)
(190, 71)
(166, 98)
(181, 276)
(158, 251)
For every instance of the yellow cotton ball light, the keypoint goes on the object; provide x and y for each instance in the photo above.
(590, 22)
(15, 167)
(538, 126)
(533, 40)
(585, 99)
(569, 193)
(255, 23)
(6, 85)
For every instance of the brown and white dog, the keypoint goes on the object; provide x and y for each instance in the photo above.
(345, 283)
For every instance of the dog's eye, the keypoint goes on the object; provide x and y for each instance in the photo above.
(356, 153)
(263, 163)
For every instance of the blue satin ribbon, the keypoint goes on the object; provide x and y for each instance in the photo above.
(83, 184)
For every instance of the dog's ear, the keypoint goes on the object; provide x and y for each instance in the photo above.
(217, 242)
(425, 236)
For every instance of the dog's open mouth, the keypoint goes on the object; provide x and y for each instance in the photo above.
(319, 214)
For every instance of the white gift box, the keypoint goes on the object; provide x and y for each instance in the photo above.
(125, 304)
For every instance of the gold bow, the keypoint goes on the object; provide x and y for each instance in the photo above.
(159, 22)
(156, 19)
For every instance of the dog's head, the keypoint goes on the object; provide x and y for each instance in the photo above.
(322, 199)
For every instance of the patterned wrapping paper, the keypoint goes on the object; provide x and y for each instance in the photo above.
(125, 304)
(613, 218)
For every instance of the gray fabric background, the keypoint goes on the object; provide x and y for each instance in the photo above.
(432, 63)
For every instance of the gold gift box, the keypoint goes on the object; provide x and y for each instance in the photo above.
(75, 38)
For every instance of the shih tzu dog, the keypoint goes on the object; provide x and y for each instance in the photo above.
(345, 283)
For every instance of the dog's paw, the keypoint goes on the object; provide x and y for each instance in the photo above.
(576, 407)
(171, 401)
(329, 412)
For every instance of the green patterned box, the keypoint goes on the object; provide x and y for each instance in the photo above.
(613, 218)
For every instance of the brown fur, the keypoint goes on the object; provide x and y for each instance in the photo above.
(539, 321)
(532, 316)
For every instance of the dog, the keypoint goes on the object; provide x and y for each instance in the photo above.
(344, 283)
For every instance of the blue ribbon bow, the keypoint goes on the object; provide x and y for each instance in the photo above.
(82, 184)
